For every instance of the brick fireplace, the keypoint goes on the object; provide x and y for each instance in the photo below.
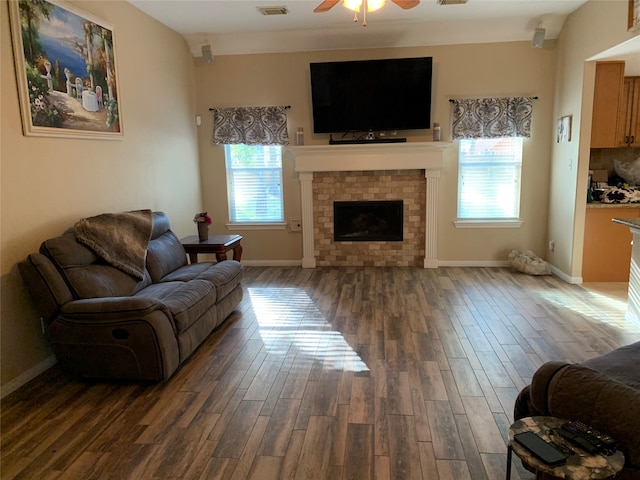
(395, 171)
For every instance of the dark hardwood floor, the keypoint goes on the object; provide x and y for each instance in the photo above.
(328, 373)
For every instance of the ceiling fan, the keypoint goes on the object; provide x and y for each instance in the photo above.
(365, 5)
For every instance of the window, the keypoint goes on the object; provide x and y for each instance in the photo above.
(254, 183)
(489, 179)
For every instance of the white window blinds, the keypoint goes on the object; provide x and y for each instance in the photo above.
(254, 183)
(489, 178)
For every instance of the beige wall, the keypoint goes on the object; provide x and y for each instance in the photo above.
(48, 184)
(502, 69)
(592, 29)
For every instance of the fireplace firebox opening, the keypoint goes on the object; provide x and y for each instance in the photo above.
(368, 221)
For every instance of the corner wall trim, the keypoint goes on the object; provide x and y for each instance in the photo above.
(27, 376)
(567, 278)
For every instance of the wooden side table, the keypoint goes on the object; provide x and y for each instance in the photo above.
(580, 465)
(218, 244)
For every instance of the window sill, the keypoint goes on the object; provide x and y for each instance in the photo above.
(487, 223)
(257, 226)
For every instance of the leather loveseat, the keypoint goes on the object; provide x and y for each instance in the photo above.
(104, 323)
(603, 392)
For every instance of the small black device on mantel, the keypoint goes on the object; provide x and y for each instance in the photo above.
(371, 95)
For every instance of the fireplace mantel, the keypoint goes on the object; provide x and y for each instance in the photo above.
(378, 156)
(427, 156)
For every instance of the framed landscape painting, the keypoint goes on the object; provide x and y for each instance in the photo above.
(66, 71)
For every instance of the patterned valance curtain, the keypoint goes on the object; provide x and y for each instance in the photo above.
(492, 117)
(250, 125)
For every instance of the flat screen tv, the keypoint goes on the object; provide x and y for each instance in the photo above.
(378, 95)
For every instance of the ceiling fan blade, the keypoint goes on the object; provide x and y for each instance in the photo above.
(406, 4)
(325, 6)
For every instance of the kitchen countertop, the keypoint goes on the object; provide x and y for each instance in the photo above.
(629, 222)
(612, 205)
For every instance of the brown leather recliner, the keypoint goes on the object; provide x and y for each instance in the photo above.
(104, 323)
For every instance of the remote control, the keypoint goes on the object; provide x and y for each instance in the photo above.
(586, 437)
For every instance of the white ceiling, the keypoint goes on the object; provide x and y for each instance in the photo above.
(237, 27)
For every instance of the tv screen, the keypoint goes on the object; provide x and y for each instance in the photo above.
(378, 95)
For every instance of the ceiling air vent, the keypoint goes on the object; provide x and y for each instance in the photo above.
(451, 2)
(273, 10)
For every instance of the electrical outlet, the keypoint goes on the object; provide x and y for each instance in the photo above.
(552, 245)
(295, 225)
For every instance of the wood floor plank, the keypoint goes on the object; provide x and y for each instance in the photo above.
(290, 462)
(420, 415)
(362, 405)
(427, 461)
(494, 370)
(453, 470)
(248, 453)
(327, 373)
(433, 387)
(280, 427)
(238, 430)
(359, 455)
(382, 469)
(471, 454)
(404, 454)
(466, 380)
(316, 449)
(400, 403)
(444, 437)
(263, 381)
(484, 428)
(339, 441)
(265, 468)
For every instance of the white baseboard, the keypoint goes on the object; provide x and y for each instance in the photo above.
(473, 263)
(27, 376)
(567, 278)
(431, 263)
(440, 263)
(272, 263)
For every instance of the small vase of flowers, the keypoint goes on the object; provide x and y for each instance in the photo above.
(203, 220)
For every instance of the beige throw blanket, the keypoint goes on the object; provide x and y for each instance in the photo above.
(121, 239)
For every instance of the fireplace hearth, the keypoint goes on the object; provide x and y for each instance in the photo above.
(368, 221)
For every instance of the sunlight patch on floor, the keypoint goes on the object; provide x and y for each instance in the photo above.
(606, 303)
(288, 318)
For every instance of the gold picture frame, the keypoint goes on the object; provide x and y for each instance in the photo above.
(66, 71)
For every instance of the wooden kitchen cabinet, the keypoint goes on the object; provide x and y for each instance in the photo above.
(607, 100)
(607, 245)
(629, 115)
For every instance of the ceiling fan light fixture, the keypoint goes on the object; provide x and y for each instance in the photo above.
(353, 5)
(370, 5)
(373, 5)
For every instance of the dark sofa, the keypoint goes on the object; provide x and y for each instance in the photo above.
(104, 323)
(603, 392)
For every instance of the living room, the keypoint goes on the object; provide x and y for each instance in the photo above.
(165, 162)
